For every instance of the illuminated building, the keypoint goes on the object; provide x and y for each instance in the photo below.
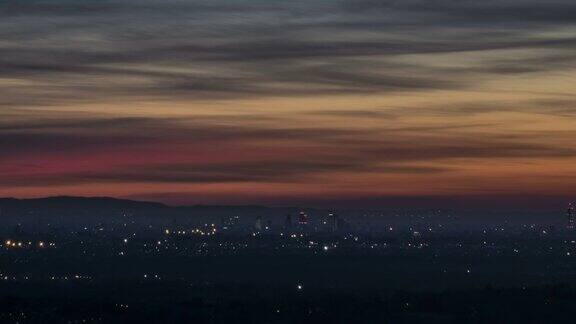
(333, 221)
(303, 218)
(571, 215)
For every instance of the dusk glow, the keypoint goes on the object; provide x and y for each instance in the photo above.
(295, 102)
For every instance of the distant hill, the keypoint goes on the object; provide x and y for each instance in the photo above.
(108, 207)
(79, 202)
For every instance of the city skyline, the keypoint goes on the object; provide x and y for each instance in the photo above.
(315, 103)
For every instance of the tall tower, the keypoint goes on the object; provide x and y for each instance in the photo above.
(303, 218)
(333, 222)
(571, 215)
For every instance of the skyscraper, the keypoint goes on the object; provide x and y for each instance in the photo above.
(571, 215)
(303, 218)
(333, 222)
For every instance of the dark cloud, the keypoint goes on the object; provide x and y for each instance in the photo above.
(469, 11)
(88, 51)
(252, 172)
(300, 154)
(425, 142)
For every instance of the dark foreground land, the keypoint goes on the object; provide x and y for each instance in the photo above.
(225, 296)
(126, 303)
(295, 287)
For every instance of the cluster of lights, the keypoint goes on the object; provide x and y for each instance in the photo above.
(202, 232)
(157, 277)
(211, 231)
(18, 244)
(10, 243)
(418, 245)
(71, 277)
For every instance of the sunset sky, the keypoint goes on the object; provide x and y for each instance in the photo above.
(317, 103)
